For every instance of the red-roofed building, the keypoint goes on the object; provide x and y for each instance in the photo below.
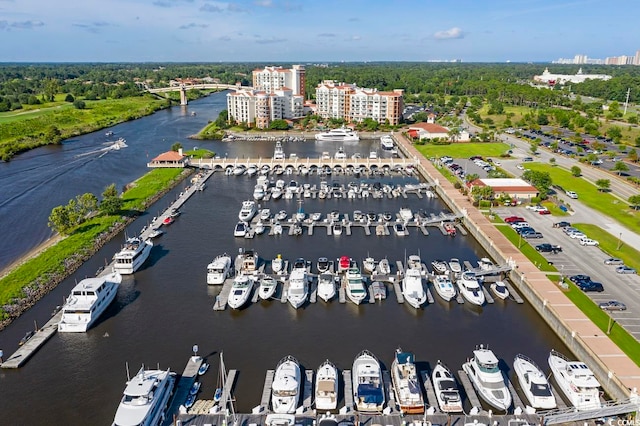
(169, 159)
(514, 188)
(436, 131)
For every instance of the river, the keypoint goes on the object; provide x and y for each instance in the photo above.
(166, 308)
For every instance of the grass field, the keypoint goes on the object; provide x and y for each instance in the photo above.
(463, 149)
(611, 245)
(499, 119)
(526, 248)
(32, 111)
(554, 209)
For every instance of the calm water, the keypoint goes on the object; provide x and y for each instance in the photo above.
(167, 307)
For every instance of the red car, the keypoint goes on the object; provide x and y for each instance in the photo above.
(513, 219)
(545, 211)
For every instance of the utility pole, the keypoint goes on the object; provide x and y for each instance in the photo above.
(626, 103)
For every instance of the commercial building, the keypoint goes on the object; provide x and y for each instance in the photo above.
(514, 188)
(432, 130)
(353, 104)
(551, 79)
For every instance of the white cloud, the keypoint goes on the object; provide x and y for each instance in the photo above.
(454, 32)
(264, 3)
(22, 25)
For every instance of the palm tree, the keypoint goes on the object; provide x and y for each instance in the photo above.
(454, 134)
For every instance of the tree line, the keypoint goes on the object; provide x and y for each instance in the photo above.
(65, 219)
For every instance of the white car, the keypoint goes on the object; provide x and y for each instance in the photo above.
(519, 167)
(588, 242)
(497, 163)
(518, 225)
(572, 194)
(577, 235)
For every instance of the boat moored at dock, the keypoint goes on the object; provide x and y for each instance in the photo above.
(219, 270)
(534, 383)
(368, 392)
(470, 288)
(354, 285)
(326, 390)
(446, 389)
(285, 389)
(240, 291)
(132, 255)
(487, 378)
(576, 380)
(406, 385)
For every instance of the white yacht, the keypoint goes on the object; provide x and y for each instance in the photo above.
(268, 287)
(246, 262)
(323, 265)
(534, 383)
(277, 264)
(326, 286)
(386, 142)
(132, 255)
(258, 192)
(340, 154)
(487, 378)
(336, 228)
(145, 398)
(446, 389)
(285, 389)
(298, 286)
(444, 287)
(400, 229)
(383, 267)
(576, 381)
(354, 285)
(369, 265)
(412, 288)
(368, 387)
(500, 289)
(414, 262)
(454, 265)
(219, 270)
(240, 230)
(326, 386)
(406, 214)
(87, 301)
(276, 193)
(247, 211)
(406, 384)
(486, 264)
(470, 288)
(265, 214)
(278, 152)
(240, 291)
(440, 267)
(338, 135)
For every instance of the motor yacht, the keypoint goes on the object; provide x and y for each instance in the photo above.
(499, 288)
(338, 135)
(258, 192)
(247, 211)
(326, 286)
(240, 229)
(278, 152)
(368, 387)
(412, 288)
(219, 269)
(414, 262)
(576, 381)
(277, 265)
(400, 229)
(240, 291)
(285, 389)
(354, 285)
(386, 142)
(87, 301)
(145, 398)
(534, 383)
(340, 154)
(132, 255)
(298, 287)
(440, 267)
(446, 389)
(470, 288)
(454, 266)
(384, 268)
(406, 384)
(246, 262)
(369, 265)
(268, 287)
(326, 389)
(487, 378)
(486, 264)
(323, 265)
(444, 287)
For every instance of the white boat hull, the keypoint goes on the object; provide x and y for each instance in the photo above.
(326, 390)
(531, 377)
(582, 398)
(128, 268)
(446, 390)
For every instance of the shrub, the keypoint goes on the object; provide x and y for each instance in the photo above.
(484, 204)
(535, 200)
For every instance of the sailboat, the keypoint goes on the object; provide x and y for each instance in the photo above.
(222, 376)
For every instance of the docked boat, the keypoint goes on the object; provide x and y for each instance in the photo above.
(400, 229)
(412, 288)
(444, 287)
(326, 389)
(354, 285)
(168, 220)
(338, 135)
(195, 388)
(470, 288)
(259, 228)
(454, 266)
(240, 291)
(487, 378)
(258, 192)
(265, 214)
(323, 265)
(277, 265)
(486, 264)
(414, 262)
(247, 211)
(336, 228)
(449, 228)
(298, 287)
(440, 266)
(384, 268)
(219, 269)
(132, 255)
(246, 262)
(145, 398)
(446, 389)
(368, 387)
(155, 233)
(500, 289)
(204, 367)
(534, 383)
(326, 286)
(87, 301)
(576, 380)
(278, 152)
(277, 229)
(315, 217)
(281, 215)
(252, 170)
(406, 384)
(379, 290)
(386, 142)
(344, 263)
(406, 214)
(276, 193)
(285, 389)
(268, 287)
(240, 230)
(340, 154)
(369, 265)
(239, 170)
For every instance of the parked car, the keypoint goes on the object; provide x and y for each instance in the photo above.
(612, 305)
(572, 194)
(577, 235)
(590, 286)
(588, 242)
(519, 167)
(613, 261)
(513, 219)
(548, 248)
(544, 211)
(579, 278)
(525, 230)
(532, 235)
(624, 269)
(562, 224)
(518, 225)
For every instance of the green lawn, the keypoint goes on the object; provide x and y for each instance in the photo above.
(526, 248)
(200, 153)
(32, 111)
(554, 209)
(463, 149)
(603, 202)
(611, 245)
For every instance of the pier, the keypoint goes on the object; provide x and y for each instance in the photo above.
(186, 380)
(32, 345)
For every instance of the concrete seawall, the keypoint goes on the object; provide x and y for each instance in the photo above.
(616, 372)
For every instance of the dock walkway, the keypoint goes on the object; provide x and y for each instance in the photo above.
(189, 376)
(31, 346)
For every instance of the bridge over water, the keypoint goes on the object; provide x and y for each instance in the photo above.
(184, 87)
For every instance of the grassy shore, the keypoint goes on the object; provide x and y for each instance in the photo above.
(209, 132)
(463, 149)
(35, 276)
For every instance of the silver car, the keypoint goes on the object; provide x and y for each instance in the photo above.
(613, 261)
(624, 269)
(612, 305)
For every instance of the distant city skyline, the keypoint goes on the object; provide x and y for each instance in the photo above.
(314, 31)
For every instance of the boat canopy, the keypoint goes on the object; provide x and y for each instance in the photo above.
(370, 394)
(405, 358)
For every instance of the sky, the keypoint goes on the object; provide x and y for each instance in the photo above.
(315, 31)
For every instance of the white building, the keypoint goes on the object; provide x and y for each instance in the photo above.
(430, 131)
(579, 77)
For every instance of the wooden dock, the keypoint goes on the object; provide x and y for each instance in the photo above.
(184, 384)
(221, 299)
(512, 292)
(432, 401)
(24, 352)
(388, 390)
(266, 390)
(348, 390)
(469, 390)
(487, 295)
(307, 390)
(514, 395)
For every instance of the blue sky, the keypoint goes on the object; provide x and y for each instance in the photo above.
(315, 30)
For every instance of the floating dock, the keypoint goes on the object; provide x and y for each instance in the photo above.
(32, 345)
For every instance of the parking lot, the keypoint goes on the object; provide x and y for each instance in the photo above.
(589, 260)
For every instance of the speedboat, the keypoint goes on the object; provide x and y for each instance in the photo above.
(386, 142)
(315, 216)
(277, 229)
(323, 265)
(369, 265)
(258, 192)
(155, 233)
(406, 214)
(446, 389)
(132, 255)
(336, 228)
(340, 154)
(87, 301)
(268, 286)
(576, 381)
(277, 264)
(252, 170)
(354, 285)
(281, 215)
(470, 288)
(368, 387)
(326, 386)
(499, 288)
(414, 262)
(533, 383)
(440, 266)
(240, 291)
(298, 287)
(246, 262)
(344, 263)
(259, 228)
(265, 214)
(454, 266)
(486, 264)
(444, 287)
(400, 229)
(326, 286)
(285, 389)
(487, 378)
(247, 211)
(276, 193)
(145, 398)
(406, 384)
(384, 268)
(239, 170)
(219, 270)
(338, 135)
(278, 152)
(240, 229)
(412, 288)
(168, 220)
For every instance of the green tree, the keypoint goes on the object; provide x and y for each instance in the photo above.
(471, 177)
(110, 191)
(111, 205)
(552, 161)
(278, 125)
(78, 104)
(69, 98)
(86, 203)
(370, 125)
(603, 184)
(633, 155)
(53, 134)
(60, 220)
(51, 87)
(632, 119)
(533, 147)
(575, 171)
(634, 200)
(481, 192)
(541, 180)
(176, 147)
(615, 133)
(620, 167)
(222, 120)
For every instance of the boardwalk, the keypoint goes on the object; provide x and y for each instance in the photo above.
(41, 336)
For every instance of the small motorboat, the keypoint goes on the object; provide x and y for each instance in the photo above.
(155, 233)
(336, 228)
(500, 289)
(277, 264)
(174, 213)
(268, 286)
(195, 388)
(446, 389)
(203, 369)
(168, 220)
(28, 335)
(191, 399)
(384, 268)
(454, 265)
(259, 228)
(369, 265)
(440, 266)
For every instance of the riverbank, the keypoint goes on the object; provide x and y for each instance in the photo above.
(32, 279)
